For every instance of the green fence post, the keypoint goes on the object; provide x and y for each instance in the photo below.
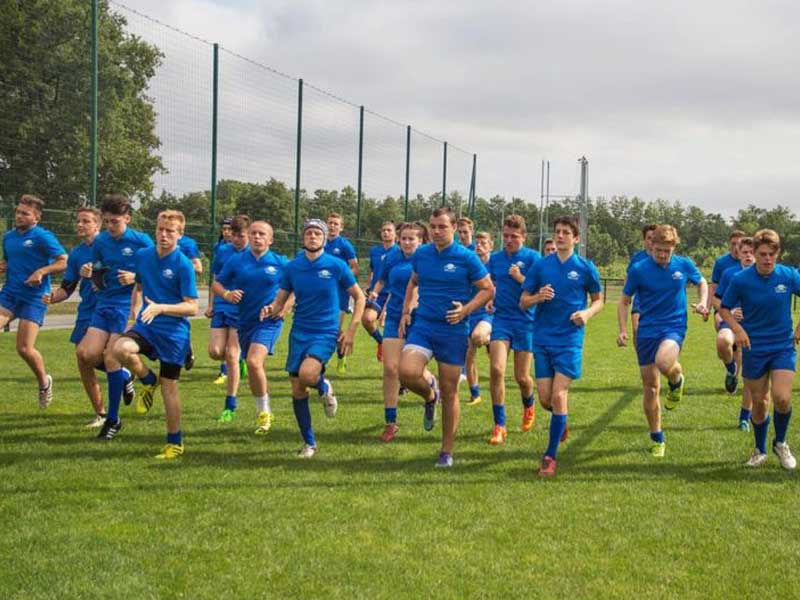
(444, 175)
(471, 201)
(297, 164)
(93, 118)
(360, 170)
(214, 131)
(408, 171)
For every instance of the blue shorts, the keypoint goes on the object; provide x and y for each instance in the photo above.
(377, 304)
(265, 333)
(165, 348)
(79, 330)
(33, 311)
(390, 328)
(110, 319)
(476, 318)
(519, 333)
(344, 301)
(304, 345)
(549, 360)
(647, 348)
(757, 364)
(221, 320)
(439, 341)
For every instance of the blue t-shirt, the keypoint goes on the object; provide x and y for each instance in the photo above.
(637, 257)
(258, 278)
(725, 280)
(662, 294)
(79, 256)
(377, 254)
(571, 281)
(722, 264)
(444, 277)
(341, 248)
(110, 256)
(395, 273)
(24, 253)
(316, 290)
(222, 255)
(165, 280)
(189, 247)
(507, 290)
(766, 305)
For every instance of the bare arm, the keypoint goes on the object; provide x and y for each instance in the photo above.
(59, 265)
(544, 294)
(136, 302)
(581, 317)
(739, 334)
(409, 301)
(198, 266)
(347, 338)
(186, 308)
(702, 300)
(277, 306)
(485, 293)
(622, 319)
(353, 264)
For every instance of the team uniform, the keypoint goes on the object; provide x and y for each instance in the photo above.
(24, 253)
(341, 248)
(225, 313)
(79, 256)
(189, 248)
(481, 315)
(377, 256)
(395, 273)
(511, 323)
(636, 258)
(723, 285)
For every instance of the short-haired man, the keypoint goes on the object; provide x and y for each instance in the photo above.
(647, 249)
(339, 246)
(722, 264)
(374, 308)
(480, 322)
(465, 230)
(549, 247)
(188, 246)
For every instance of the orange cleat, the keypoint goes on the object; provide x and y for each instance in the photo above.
(529, 417)
(389, 432)
(548, 467)
(498, 437)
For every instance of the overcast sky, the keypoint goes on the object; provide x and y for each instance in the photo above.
(691, 101)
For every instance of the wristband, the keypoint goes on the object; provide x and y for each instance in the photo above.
(225, 295)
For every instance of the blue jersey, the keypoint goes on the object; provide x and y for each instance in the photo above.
(766, 305)
(110, 256)
(377, 254)
(24, 253)
(79, 256)
(188, 247)
(341, 248)
(638, 257)
(571, 281)
(316, 290)
(662, 294)
(725, 280)
(223, 253)
(507, 290)
(444, 277)
(258, 278)
(722, 264)
(395, 273)
(165, 280)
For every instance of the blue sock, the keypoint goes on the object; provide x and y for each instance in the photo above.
(781, 424)
(116, 383)
(528, 402)
(303, 416)
(376, 335)
(390, 414)
(558, 423)
(321, 386)
(223, 368)
(499, 411)
(657, 437)
(175, 438)
(760, 431)
(731, 366)
(148, 379)
(230, 402)
(475, 390)
(744, 414)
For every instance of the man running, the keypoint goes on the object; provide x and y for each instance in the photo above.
(339, 246)
(374, 307)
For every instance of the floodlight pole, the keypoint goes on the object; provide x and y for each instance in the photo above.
(297, 164)
(408, 171)
(93, 107)
(584, 204)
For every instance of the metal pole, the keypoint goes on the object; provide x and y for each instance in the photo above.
(94, 116)
(584, 204)
(471, 210)
(297, 164)
(408, 170)
(541, 211)
(547, 198)
(360, 170)
(214, 140)
(444, 175)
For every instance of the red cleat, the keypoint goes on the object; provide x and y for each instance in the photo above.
(548, 467)
(389, 432)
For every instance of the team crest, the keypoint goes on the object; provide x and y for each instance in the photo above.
(270, 270)
(572, 275)
(28, 243)
(337, 251)
(126, 251)
(677, 275)
(520, 264)
(168, 273)
(781, 289)
(449, 268)
(325, 274)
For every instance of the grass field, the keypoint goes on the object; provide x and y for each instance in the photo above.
(241, 516)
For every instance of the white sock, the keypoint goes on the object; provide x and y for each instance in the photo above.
(262, 404)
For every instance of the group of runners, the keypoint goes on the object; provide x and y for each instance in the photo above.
(436, 291)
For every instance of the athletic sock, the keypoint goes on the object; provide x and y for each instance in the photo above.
(390, 414)
(127, 374)
(230, 402)
(475, 390)
(558, 423)
(745, 415)
(175, 438)
(528, 402)
(303, 416)
(262, 404)
(499, 412)
(376, 335)
(223, 368)
(116, 383)
(322, 386)
(149, 378)
(657, 437)
(731, 366)
(781, 425)
(760, 431)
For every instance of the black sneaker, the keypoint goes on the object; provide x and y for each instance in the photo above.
(188, 363)
(110, 430)
(129, 391)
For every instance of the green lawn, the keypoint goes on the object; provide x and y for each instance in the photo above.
(241, 516)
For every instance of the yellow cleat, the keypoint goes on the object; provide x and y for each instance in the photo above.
(221, 380)
(170, 452)
(264, 422)
(145, 396)
(473, 400)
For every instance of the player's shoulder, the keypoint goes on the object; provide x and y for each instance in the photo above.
(530, 253)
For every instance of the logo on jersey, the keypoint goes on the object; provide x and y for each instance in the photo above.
(270, 270)
(677, 275)
(337, 251)
(325, 274)
(781, 289)
(520, 264)
(572, 275)
(168, 273)
(28, 243)
(449, 268)
(126, 251)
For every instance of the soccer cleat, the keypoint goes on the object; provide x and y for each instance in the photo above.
(221, 379)
(264, 422)
(379, 353)
(673, 397)
(744, 425)
(170, 451)
(110, 430)
(529, 417)
(129, 391)
(757, 459)
(329, 402)
(658, 449)
(429, 416)
(46, 394)
(473, 400)
(498, 436)
(548, 467)
(226, 416)
(445, 460)
(96, 422)
(788, 461)
(144, 399)
(731, 382)
(341, 365)
(242, 367)
(389, 432)
(462, 378)
(307, 451)
(188, 363)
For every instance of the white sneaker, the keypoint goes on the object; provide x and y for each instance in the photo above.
(46, 394)
(307, 451)
(462, 378)
(757, 459)
(785, 455)
(96, 422)
(329, 401)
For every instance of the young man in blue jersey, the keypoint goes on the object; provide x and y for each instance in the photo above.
(162, 331)
(339, 246)
(647, 250)
(111, 272)
(315, 278)
(728, 351)
(660, 280)
(223, 341)
(190, 250)
(249, 281)
(549, 247)
(512, 329)
(30, 255)
(225, 236)
(466, 228)
(87, 227)
(444, 274)
(724, 341)
(374, 308)
(558, 285)
(764, 292)
(480, 323)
